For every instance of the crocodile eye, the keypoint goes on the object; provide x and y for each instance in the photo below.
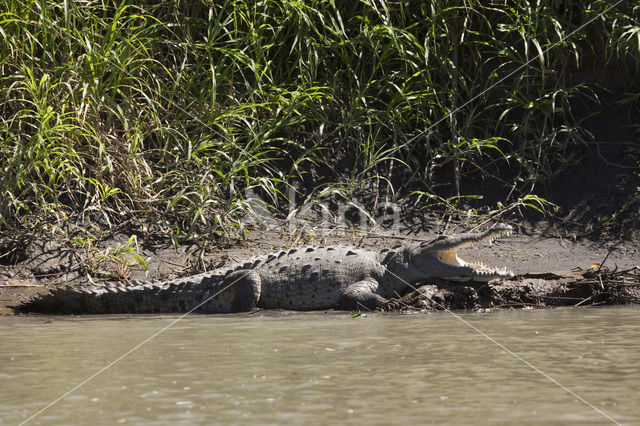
(428, 243)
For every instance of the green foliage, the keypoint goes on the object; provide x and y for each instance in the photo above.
(122, 256)
(140, 111)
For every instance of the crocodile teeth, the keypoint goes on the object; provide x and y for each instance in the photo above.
(448, 255)
(481, 269)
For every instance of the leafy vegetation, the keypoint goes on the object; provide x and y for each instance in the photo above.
(162, 114)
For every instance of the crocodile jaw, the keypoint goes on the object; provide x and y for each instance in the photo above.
(439, 258)
(470, 271)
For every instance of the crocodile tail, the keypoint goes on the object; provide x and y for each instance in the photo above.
(136, 298)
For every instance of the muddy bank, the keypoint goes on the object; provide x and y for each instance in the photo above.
(591, 287)
(34, 266)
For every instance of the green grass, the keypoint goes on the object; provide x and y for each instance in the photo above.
(162, 114)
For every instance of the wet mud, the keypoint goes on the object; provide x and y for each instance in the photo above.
(593, 272)
(590, 287)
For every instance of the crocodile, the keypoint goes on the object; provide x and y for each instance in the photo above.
(303, 278)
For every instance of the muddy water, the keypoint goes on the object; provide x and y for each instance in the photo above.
(324, 368)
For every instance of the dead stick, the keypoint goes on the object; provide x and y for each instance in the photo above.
(605, 259)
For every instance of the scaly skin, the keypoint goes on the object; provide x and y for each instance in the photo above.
(305, 278)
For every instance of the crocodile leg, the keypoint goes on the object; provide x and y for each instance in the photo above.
(238, 292)
(362, 294)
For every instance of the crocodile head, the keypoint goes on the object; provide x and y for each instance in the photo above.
(439, 258)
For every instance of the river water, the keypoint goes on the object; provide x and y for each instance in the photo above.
(324, 368)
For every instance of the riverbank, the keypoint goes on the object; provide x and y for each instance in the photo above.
(595, 286)
(536, 259)
(138, 150)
